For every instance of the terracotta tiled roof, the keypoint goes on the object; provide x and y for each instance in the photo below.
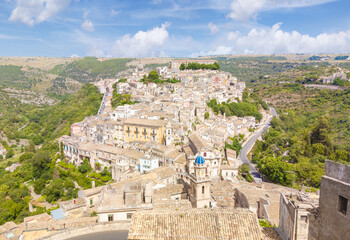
(166, 224)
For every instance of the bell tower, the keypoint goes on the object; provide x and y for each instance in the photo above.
(200, 184)
(168, 134)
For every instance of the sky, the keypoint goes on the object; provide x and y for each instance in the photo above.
(172, 28)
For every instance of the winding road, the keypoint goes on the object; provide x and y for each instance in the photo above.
(247, 146)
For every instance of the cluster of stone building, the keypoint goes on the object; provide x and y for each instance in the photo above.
(167, 127)
(329, 79)
(174, 180)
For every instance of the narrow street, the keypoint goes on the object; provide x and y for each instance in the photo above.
(248, 145)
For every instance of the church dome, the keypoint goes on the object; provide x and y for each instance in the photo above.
(199, 160)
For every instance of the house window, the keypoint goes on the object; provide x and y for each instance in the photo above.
(205, 154)
(343, 204)
(110, 217)
(91, 202)
(303, 218)
(203, 189)
(128, 215)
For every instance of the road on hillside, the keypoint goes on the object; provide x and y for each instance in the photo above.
(249, 145)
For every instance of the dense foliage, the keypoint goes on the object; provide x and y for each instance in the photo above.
(155, 78)
(91, 69)
(39, 170)
(22, 121)
(313, 126)
(251, 68)
(196, 66)
(248, 107)
(13, 76)
(234, 145)
(341, 57)
(120, 99)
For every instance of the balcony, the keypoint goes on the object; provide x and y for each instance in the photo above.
(153, 133)
(137, 131)
(128, 130)
(144, 132)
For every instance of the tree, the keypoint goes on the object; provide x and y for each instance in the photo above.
(10, 153)
(153, 75)
(236, 145)
(244, 168)
(320, 134)
(217, 66)
(182, 67)
(342, 154)
(85, 167)
(318, 148)
(206, 115)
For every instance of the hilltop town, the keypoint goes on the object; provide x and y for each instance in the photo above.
(169, 159)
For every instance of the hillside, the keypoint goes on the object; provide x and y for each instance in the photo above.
(41, 125)
(313, 125)
(57, 76)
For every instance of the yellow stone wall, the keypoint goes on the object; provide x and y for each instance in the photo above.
(136, 133)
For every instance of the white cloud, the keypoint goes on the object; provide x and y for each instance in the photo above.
(213, 28)
(243, 10)
(142, 44)
(4, 36)
(274, 40)
(233, 35)
(88, 25)
(114, 12)
(32, 12)
(86, 13)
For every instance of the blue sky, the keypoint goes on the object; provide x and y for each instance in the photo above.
(126, 28)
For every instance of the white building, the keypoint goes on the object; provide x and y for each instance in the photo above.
(147, 163)
(125, 111)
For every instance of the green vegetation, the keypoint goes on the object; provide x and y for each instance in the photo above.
(341, 57)
(315, 58)
(50, 122)
(341, 82)
(120, 99)
(244, 170)
(235, 145)
(13, 76)
(155, 65)
(196, 66)
(41, 126)
(313, 126)
(252, 68)
(265, 223)
(154, 78)
(248, 107)
(89, 69)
